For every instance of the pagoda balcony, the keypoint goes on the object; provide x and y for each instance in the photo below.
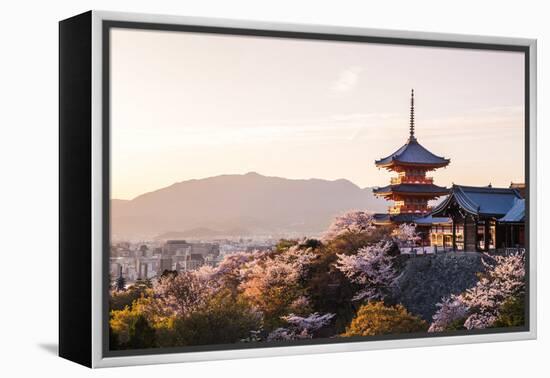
(411, 180)
(409, 209)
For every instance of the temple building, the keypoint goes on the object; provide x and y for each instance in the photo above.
(410, 190)
(481, 219)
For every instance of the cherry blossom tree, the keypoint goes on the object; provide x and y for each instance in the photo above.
(284, 269)
(182, 293)
(299, 304)
(372, 268)
(232, 264)
(406, 235)
(350, 222)
(231, 271)
(503, 279)
(450, 310)
(300, 327)
(273, 283)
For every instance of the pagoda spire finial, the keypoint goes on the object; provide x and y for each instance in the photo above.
(412, 115)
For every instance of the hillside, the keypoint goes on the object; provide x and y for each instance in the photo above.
(427, 279)
(256, 204)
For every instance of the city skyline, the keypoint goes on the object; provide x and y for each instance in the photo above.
(206, 105)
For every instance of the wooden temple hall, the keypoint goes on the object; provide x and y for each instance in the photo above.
(467, 219)
(479, 219)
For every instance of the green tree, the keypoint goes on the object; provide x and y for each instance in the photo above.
(327, 287)
(512, 313)
(375, 318)
(130, 329)
(329, 291)
(223, 319)
(121, 299)
(285, 244)
(120, 283)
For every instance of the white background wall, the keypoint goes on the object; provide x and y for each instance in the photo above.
(28, 185)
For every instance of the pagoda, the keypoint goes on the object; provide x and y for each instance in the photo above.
(411, 189)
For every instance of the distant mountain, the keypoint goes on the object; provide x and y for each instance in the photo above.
(230, 204)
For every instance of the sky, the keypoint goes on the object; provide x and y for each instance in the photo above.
(191, 105)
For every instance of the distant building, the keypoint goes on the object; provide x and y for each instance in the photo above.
(165, 264)
(180, 247)
(190, 256)
(143, 251)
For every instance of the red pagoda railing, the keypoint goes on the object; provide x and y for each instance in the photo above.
(412, 180)
(409, 209)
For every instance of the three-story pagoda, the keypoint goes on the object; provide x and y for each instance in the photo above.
(411, 189)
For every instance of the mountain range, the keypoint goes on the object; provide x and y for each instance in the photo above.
(239, 205)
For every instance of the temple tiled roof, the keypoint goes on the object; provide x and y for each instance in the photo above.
(413, 153)
(382, 218)
(481, 201)
(516, 214)
(430, 219)
(412, 189)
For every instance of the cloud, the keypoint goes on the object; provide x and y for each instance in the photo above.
(347, 79)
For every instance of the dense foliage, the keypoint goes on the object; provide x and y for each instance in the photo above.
(375, 318)
(338, 286)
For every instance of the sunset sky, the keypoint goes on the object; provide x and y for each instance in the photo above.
(188, 106)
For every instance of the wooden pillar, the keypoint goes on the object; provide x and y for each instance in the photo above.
(506, 236)
(454, 235)
(512, 239)
(464, 235)
(476, 240)
(486, 235)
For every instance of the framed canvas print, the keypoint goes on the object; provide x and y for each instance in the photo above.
(233, 189)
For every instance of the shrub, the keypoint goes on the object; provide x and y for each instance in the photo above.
(375, 318)
(300, 327)
(223, 319)
(129, 329)
(121, 299)
(512, 313)
(328, 289)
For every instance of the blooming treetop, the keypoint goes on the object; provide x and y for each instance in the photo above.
(300, 327)
(372, 267)
(449, 310)
(232, 266)
(350, 222)
(406, 234)
(284, 269)
(183, 293)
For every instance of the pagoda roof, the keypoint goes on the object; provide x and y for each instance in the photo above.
(516, 214)
(412, 153)
(483, 201)
(415, 189)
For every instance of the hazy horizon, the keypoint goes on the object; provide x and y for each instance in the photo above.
(260, 174)
(191, 106)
